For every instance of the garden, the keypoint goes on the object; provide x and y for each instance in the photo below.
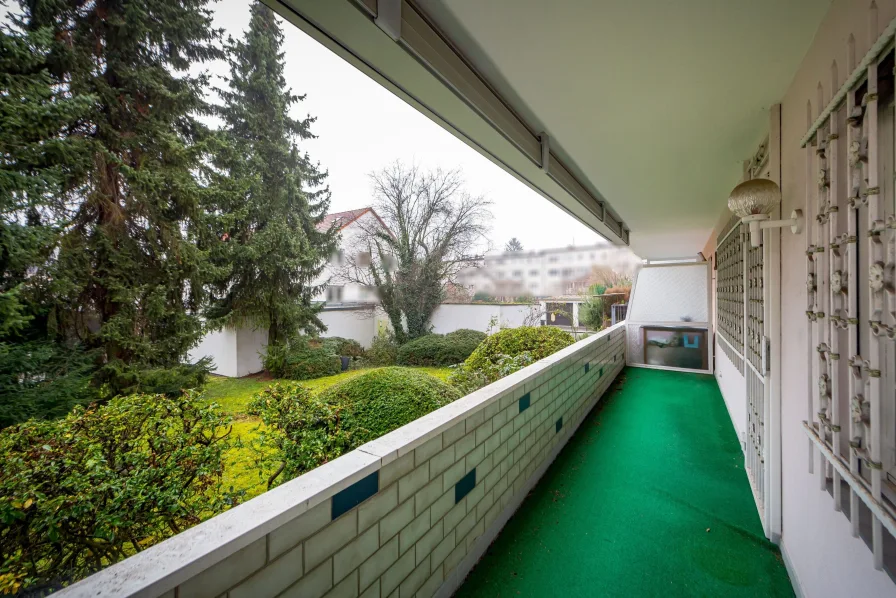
(108, 480)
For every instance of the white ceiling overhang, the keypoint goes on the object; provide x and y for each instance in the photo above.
(650, 107)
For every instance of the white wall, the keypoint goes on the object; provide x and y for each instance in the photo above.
(221, 347)
(734, 391)
(356, 323)
(449, 317)
(250, 344)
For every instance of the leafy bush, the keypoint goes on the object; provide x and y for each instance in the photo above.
(383, 350)
(301, 431)
(483, 296)
(306, 430)
(539, 341)
(468, 379)
(440, 350)
(301, 360)
(88, 490)
(344, 347)
(43, 380)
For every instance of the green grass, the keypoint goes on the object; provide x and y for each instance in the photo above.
(233, 394)
(649, 498)
(241, 469)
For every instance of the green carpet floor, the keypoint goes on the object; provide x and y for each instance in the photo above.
(649, 498)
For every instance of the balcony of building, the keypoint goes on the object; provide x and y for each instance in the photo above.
(576, 475)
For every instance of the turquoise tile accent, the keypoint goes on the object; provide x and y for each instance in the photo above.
(559, 424)
(587, 367)
(354, 495)
(464, 486)
(524, 402)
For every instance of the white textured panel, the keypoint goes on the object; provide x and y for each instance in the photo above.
(671, 294)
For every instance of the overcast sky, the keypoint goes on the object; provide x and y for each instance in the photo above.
(350, 144)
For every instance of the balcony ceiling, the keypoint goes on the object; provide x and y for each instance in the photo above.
(656, 104)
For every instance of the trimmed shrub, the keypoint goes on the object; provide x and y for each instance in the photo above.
(467, 379)
(306, 430)
(467, 335)
(539, 341)
(80, 493)
(384, 399)
(301, 360)
(437, 350)
(344, 347)
(383, 350)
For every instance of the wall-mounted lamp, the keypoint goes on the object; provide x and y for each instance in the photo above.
(753, 201)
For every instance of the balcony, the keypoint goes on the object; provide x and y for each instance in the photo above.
(654, 475)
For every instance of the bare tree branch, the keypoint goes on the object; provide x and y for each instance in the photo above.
(436, 229)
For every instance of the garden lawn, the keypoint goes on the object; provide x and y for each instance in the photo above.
(241, 470)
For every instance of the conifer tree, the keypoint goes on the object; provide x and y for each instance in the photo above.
(128, 274)
(271, 199)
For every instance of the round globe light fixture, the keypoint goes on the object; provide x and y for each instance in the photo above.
(753, 201)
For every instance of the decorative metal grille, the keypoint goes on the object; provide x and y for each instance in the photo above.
(755, 307)
(851, 433)
(730, 297)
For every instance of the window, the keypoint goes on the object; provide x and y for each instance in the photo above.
(334, 294)
(517, 273)
(567, 271)
(552, 259)
(533, 272)
(363, 259)
(553, 272)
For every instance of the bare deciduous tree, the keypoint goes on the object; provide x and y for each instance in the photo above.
(435, 229)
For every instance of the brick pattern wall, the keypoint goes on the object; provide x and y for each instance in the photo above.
(415, 526)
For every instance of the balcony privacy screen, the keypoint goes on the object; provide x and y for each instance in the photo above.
(675, 297)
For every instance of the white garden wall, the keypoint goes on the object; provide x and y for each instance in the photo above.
(358, 323)
(221, 346)
(410, 512)
(449, 317)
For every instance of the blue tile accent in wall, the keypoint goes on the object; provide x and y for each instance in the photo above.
(354, 495)
(524, 402)
(600, 374)
(587, 367)
(559, 424)
(463, 487)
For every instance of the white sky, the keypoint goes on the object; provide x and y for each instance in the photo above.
(350, 144)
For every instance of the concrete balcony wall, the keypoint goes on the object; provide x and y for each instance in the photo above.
(407, 514)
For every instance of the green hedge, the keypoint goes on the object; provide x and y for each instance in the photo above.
(437, 350)
(539, 342)
(305, 430)
(301, 360)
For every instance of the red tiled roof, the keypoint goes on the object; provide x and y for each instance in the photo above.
(343, 219)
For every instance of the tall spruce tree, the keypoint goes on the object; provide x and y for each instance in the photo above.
(40, 158)
(128, 276)
(272, 197)
(42, 155)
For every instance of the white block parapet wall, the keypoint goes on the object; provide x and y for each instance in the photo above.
(408, 514)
